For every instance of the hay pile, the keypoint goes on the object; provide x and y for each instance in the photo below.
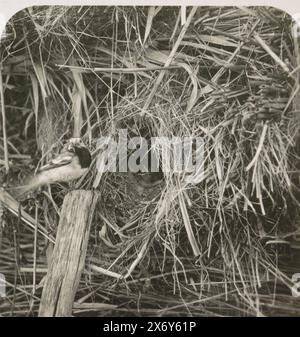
(227, 245)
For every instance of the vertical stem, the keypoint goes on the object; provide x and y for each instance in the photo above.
(183, 15)
(4, 124)
(169, 60)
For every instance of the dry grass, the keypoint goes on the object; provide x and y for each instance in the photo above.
(227, 76)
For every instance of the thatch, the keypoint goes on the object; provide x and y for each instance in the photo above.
(231, 78)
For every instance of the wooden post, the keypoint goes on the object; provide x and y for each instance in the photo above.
(69, 254)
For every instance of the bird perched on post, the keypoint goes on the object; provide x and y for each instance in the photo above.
(72, 163)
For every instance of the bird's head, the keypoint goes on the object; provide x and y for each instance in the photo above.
(72, 142)
(77, 146)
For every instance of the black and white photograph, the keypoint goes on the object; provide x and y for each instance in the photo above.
(150, 163)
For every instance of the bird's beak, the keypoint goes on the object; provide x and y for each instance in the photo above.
(75, 140)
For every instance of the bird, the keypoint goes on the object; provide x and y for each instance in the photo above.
(72, 163)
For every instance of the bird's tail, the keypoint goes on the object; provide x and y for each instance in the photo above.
(30, 184)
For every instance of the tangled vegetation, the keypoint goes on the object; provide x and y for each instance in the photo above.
(227, 245)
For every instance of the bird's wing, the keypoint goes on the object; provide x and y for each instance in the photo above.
(61, 160)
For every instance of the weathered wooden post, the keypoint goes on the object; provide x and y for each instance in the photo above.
(69, 254)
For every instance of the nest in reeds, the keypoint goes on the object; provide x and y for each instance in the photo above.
(225, 245)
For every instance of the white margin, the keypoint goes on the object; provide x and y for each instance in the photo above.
(8, 8)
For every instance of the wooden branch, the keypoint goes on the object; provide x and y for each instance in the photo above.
(69, 254)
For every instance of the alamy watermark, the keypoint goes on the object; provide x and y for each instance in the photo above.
(2, 285)
(296, 287)
(157, 154)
